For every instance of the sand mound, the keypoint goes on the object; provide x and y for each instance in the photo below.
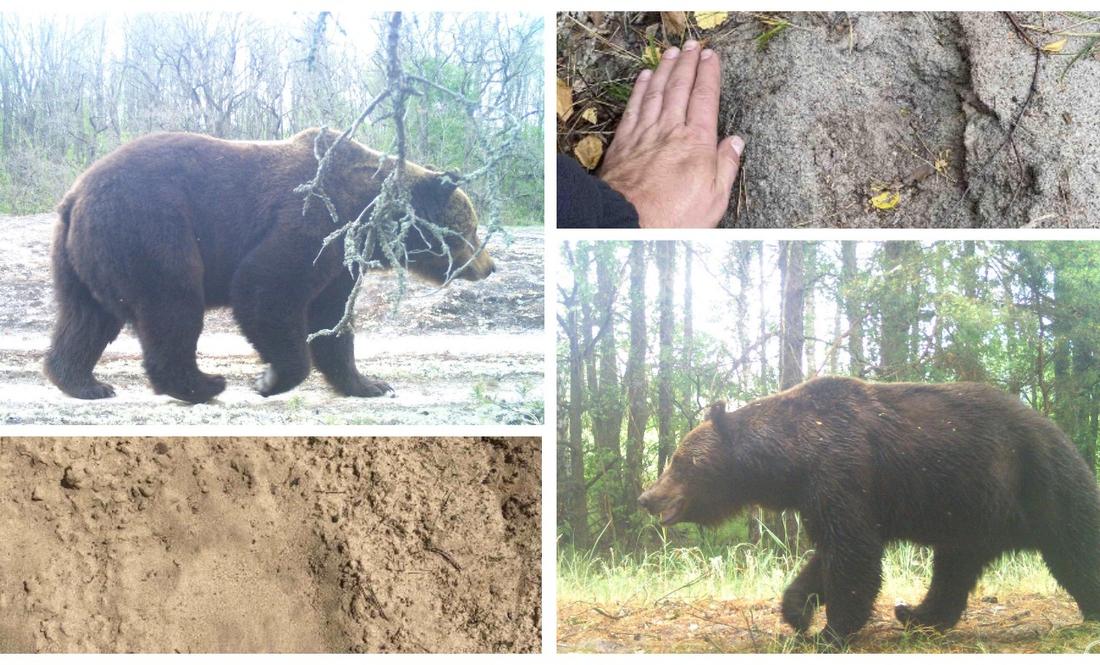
(281, 544)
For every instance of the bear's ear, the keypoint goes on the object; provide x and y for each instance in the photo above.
(432, 191)
(717, 410)
(440, 186)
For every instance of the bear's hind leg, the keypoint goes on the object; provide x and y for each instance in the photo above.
(805, 594)
(955, 571)
(82, 331)
(169, 329)
(334, 355)
(1073, 557)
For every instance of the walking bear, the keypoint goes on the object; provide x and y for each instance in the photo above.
(964, 468)
(173, 224)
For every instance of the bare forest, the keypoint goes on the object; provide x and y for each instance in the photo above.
(76, 87)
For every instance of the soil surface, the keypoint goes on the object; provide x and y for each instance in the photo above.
(839, 104)
(270, 545)
(468, 354)
(1025, 624)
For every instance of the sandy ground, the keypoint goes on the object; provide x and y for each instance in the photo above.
(470, 354)
(1021, 624)
(281, 544)
(841, 102)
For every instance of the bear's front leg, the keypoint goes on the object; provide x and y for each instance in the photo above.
(805, 594)
(334, 355)
(270, 295)
(852, 569)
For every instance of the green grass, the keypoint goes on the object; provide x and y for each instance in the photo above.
(761, 571)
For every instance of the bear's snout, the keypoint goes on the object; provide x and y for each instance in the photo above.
(667, 504)
(480, 268)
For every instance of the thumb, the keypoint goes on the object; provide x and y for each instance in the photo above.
(729, 161)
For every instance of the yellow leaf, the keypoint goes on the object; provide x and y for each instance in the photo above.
(708, 20)
(565, 100)
(674, 22)
(651, 56)
(589, 151)
(886, 199)
(590, 115)
(1055, 47)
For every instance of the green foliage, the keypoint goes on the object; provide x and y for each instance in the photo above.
(1023, 316)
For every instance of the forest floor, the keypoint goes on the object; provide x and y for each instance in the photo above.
(1028, 623)
(316, 545)
(953, 118)
(470, 354)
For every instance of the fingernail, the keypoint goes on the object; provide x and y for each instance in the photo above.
(706, 54)
(738, 145)
(644, 76)
(691, 45)
(671, 53)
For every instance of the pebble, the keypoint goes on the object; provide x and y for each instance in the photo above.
(37, 494)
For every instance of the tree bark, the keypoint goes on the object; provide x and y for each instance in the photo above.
(636, 379)
(850, 296)
(666, 258)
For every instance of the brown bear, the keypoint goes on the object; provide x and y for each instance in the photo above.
(964, 468)
(173, 224)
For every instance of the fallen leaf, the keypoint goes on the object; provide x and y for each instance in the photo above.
(886, 199)
(565, 100)
(674, 22)
(708, 20)
(597, 19)
(1055, 47)
(590, 115)
(589, 150)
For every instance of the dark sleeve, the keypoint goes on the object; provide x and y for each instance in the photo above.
(586, 202)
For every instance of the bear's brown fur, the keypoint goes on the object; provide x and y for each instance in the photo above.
(172, 224)
(964, 468)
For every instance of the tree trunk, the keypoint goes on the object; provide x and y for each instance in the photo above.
(636, 379)
(605, 402)
(666, 259)
(793, 327)
(785, 525)
(578, 491)
(689, 339)
(850, 296)
(896, 315)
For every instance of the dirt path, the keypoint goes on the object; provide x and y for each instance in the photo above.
(259, 545)
(472, 353)
(1025, 624)
(839, 103)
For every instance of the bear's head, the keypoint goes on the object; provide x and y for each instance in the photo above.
(693, 487)
(730, 461)
(445, 248)
(438, 200)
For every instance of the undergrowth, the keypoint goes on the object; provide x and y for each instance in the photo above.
(761, 571)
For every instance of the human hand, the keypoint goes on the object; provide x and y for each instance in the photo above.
(665, 157)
